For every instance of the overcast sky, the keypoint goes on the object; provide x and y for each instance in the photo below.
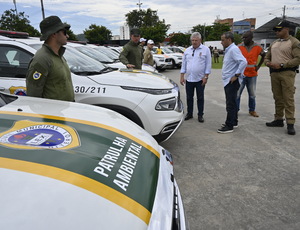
(182, 15)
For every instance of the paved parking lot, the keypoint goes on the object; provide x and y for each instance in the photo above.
(248, 179)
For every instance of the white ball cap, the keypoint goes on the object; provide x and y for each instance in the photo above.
(150, 42)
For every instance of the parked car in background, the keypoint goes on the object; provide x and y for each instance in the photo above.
(149, 99)
(66, 165)
(176, 49)
(176, 58)
(97, 53)
(162, 62)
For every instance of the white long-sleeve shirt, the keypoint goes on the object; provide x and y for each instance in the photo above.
(196, 63)
(233, 63)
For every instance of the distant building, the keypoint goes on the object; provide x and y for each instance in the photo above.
(265, 35)
(228, 21)
(124, 32)
(238, 26)
(115, 37)
(241, 27)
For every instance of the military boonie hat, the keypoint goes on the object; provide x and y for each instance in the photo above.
(135, 32)
(51, 25)
(281, 25)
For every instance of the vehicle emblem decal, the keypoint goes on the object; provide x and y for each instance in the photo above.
(36, 135)
(18, 90)
(36, 75)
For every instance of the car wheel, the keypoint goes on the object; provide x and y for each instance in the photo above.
(173, 64)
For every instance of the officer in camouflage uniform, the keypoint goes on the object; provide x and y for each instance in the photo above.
(48, 74)
(131, 55)
(283, 59)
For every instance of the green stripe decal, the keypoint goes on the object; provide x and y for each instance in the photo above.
(101, 159)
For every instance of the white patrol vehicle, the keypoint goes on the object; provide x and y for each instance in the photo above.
(162, 62)
(176, 58)
(97, 53)
(149, 99)
(63, 169)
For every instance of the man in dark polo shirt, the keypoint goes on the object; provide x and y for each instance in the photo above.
(48, 75)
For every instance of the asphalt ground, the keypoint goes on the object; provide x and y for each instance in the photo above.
(248, 179)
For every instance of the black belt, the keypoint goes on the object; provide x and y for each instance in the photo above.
(284, 69)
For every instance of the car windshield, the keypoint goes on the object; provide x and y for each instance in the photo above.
(95, 54)
(113, 55)
(79, 63)
(167, 51)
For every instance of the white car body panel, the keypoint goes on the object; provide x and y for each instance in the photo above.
(106, 90)
(43, 192)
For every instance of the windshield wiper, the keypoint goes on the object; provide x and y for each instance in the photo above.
(108, 69)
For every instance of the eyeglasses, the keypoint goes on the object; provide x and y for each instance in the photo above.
(193, 52)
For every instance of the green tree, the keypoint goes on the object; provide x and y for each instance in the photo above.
(72, 36)
(180, 39)
(217, 30)
(237, 38)
(149, 24)
(97, 34)
(205, 31)
(17, 22)
(298, 34)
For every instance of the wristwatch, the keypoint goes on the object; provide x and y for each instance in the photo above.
(206, 77)
(237, 74)
(281, 65)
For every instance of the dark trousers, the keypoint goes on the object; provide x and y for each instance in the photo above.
(190, 88)
(231, 90)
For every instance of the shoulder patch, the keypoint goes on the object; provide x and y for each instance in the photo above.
(36, 75)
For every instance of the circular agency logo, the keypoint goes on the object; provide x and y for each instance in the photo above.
(35, 135)
(18, 90)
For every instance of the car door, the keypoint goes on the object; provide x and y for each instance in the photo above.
(14, 62)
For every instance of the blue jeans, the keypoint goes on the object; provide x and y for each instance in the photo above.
(231, 90)
(250, 83)
(190, 88)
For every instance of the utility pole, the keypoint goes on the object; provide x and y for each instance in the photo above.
(43, 12)
(139, 4)
(283, 15)
(15, 6)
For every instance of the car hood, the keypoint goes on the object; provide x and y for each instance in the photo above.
(134, 78)
(63, 169)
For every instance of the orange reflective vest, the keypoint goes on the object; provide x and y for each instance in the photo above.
(252, 56)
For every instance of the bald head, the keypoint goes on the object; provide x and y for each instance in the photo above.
(247, 38)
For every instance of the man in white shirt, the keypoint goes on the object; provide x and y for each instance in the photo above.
(196, 66)
(234, 64)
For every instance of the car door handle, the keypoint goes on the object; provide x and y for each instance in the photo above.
(2, 88)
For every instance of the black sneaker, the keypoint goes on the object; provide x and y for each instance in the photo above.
(275, 123)
(291, 129)
(225, 129)
(235, 126)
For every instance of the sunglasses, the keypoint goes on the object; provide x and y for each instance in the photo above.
(64, 32)
(278, 30)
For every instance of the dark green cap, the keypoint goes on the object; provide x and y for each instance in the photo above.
(51, 25)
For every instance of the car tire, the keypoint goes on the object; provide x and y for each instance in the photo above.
(173, 64)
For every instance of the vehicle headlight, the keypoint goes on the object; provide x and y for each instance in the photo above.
(167, 104)
(150, 91)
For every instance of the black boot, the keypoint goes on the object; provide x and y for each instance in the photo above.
(275, 123)
(290, 129)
